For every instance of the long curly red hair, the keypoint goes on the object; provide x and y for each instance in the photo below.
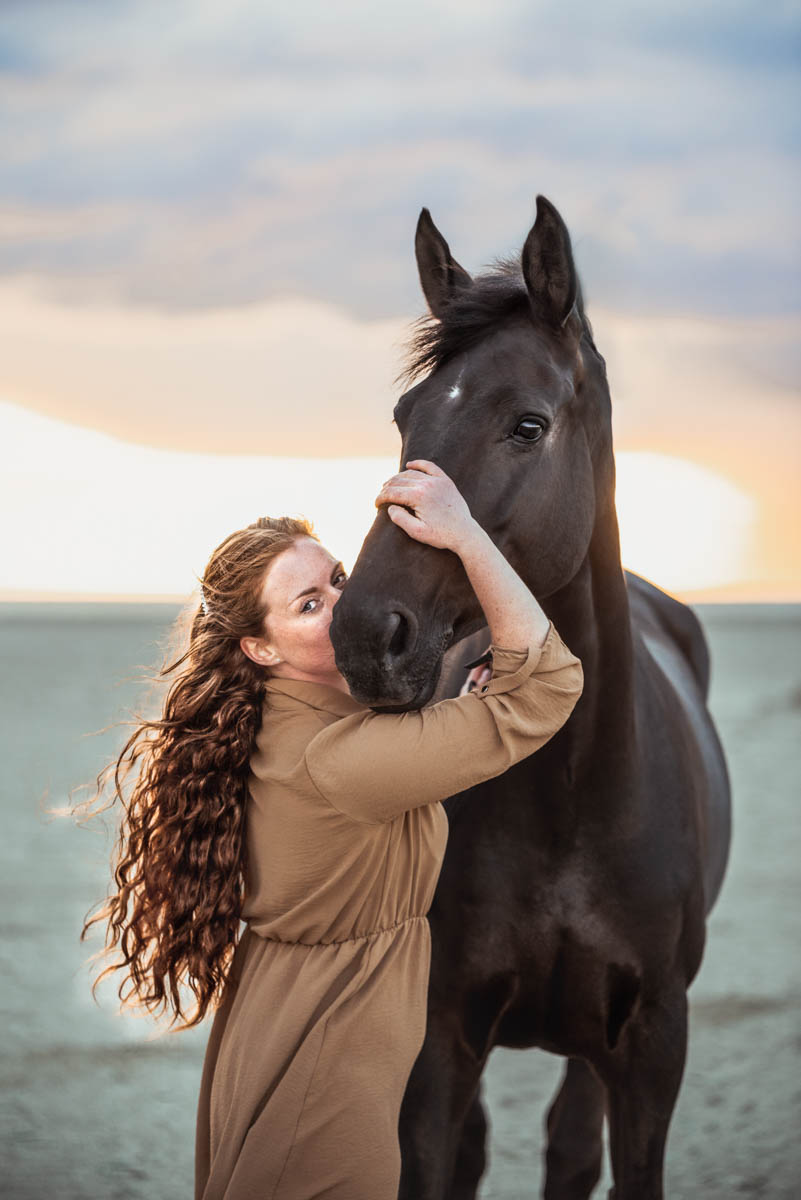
(182, 780)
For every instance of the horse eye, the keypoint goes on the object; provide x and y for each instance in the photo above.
(530, 429)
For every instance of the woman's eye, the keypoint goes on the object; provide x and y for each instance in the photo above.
(341, 579)
(307, 605)
(530, 429)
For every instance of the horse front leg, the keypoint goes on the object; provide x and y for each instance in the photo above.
(643, 1080)
(575, 1127)
(440, 1092)
(471, 1155)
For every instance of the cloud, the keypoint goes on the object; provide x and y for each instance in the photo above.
(299, 376)
(206, 216)
(281, 379)
(230, 155)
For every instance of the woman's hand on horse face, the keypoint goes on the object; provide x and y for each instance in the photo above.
(439, 514)
(441, 518)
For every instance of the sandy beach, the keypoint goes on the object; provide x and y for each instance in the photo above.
(96, 1106)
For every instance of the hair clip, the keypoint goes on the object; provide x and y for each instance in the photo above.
(203, 602)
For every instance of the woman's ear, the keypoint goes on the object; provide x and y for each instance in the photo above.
(259, 651)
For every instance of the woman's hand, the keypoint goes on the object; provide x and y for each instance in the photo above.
(439, 514)
(480, 674)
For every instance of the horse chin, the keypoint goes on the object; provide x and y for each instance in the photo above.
(400, 706)
(390, 692)
(396, 708)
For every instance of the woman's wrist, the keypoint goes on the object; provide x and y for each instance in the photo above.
(513, 613)
(473, 545)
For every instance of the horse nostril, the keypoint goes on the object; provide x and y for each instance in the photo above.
(399, 631)
(397, 639)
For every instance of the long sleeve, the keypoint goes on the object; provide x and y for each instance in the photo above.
(374, 766)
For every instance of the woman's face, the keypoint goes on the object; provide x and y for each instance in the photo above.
(301, 587)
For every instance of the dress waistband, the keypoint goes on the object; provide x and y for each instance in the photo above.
(356, 937)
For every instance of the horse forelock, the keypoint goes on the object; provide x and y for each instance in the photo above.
(494, 298)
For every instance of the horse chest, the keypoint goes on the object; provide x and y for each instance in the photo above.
(548, 957)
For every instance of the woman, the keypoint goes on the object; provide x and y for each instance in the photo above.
(267, 793)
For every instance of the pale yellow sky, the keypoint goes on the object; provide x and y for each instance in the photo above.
(93, 515)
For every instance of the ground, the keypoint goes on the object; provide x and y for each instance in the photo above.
(98, 1107)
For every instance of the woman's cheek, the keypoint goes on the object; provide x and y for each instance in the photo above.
(326, 644)
(319, 635)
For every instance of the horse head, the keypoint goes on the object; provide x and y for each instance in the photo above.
(509, 397)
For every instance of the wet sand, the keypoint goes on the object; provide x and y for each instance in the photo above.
(94, 1106)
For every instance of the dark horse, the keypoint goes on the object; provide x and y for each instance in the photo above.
(571, 906)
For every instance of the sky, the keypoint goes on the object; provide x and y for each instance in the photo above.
(207, 274)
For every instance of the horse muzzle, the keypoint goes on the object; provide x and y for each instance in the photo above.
(388, 662)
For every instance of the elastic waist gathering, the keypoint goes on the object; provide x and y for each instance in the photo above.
(357, 937)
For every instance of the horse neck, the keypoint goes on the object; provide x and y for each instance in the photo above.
(591, 614)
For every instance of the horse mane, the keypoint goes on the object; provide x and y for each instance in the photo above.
(495, 297)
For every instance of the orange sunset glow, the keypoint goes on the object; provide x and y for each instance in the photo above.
(204, 421)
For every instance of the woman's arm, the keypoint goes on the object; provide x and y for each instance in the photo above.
(374, 766)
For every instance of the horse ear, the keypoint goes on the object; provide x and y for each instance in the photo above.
(548, 269)
(440, 273)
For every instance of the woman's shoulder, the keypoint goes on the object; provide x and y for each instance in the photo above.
(286, 694)
(287, 727)
(281, 711)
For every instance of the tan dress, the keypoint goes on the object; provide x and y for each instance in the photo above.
(324, 1015)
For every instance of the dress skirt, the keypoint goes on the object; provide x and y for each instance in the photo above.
(306, 1066)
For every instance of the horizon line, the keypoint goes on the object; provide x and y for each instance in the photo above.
(726, 594)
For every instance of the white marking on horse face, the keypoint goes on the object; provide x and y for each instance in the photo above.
(455, 392)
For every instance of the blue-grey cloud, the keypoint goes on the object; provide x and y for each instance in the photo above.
(198, 154)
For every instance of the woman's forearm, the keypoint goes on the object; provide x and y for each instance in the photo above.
(515, 618)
